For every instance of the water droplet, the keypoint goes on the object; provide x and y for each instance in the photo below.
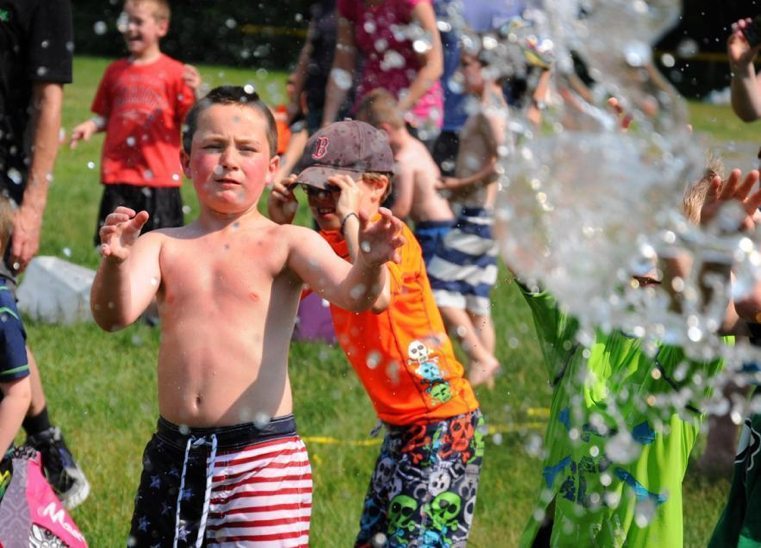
(261, 419)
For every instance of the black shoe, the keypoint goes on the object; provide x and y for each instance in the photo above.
(63, 474)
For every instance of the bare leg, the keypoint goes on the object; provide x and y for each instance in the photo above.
(485, 331)
(721, 441)
(38, 395)
(483, 365)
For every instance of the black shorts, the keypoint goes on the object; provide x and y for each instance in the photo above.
(164, 205)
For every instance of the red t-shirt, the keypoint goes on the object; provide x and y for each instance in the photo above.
(145, 106)
(403, 355)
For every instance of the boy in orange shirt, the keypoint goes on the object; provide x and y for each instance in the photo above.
(423, 488)
(140, 104)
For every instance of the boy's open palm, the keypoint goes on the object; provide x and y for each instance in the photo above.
(733, 189)
(120, 231)
(380, 240)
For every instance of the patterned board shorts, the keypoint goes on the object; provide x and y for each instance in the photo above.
(238, 484)
(423, 488)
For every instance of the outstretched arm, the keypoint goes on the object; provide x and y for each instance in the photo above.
(745, 85)
(744, 192)
(431, 61)
(128, 276)
(354, 287)
(341, 73)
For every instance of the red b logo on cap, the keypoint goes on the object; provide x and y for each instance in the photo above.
(320, 148)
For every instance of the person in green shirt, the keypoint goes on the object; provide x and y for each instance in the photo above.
(624, 415)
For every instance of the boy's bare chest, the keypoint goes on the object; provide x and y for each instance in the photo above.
(237, 267)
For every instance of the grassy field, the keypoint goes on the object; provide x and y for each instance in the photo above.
(101, 387)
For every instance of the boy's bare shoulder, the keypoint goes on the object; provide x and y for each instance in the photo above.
(414, 154)
(295, 234)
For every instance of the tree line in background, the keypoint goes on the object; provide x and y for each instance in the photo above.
(268, 34)
(265, 34)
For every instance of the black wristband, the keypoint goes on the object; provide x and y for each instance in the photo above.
(346, 218)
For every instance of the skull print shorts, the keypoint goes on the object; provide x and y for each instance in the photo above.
(423, 489)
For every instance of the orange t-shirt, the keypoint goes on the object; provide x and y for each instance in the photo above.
(403, 355)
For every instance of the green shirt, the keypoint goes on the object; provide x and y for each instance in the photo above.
(619, 435)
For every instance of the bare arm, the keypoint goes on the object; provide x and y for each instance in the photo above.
(431, 61)
(745, 85)
(128, 276)
(298, 76)
(341, 72)
(493, 127)
(47, 99)
(292, 153)
(17, 396)
(404, 184)
(354, 287)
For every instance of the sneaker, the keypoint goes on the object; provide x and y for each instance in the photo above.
(63, 474)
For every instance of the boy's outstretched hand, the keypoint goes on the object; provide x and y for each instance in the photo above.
(119, 233)
(733, 189)
(380, 240)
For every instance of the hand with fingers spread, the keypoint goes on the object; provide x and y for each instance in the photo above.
(381, 239)
(739, 50)
(733, 189)
(120, 232)
(282, 204)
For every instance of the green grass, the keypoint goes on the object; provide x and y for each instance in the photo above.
(101, 387)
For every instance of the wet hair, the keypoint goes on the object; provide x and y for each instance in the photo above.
(162, 12)
(380, 107)
(695, 194)
(7, 214)
(229, 95)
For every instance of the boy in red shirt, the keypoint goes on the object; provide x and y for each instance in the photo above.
(140, 104)
(423, 489)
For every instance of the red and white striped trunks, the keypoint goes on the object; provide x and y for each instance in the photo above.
(239, 485)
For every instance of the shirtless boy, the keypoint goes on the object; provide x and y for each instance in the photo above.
(463, 270)
(227, 287)
(414, 186)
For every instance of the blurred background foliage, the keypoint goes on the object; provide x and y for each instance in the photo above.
(266, 34)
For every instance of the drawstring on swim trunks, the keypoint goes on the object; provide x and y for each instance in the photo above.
(193, 443)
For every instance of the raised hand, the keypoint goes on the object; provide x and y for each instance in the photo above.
(191, 77)
(349, 198)
(380, 240)
(119, 233)
(282, 204)
(740, 52)
(733, 189)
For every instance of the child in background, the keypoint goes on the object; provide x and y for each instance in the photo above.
(463, 270)
(226, 462)
(140, 104)
(423, 489)
(618, 440)
(30, 510)
(414, 187)
(15, 383)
